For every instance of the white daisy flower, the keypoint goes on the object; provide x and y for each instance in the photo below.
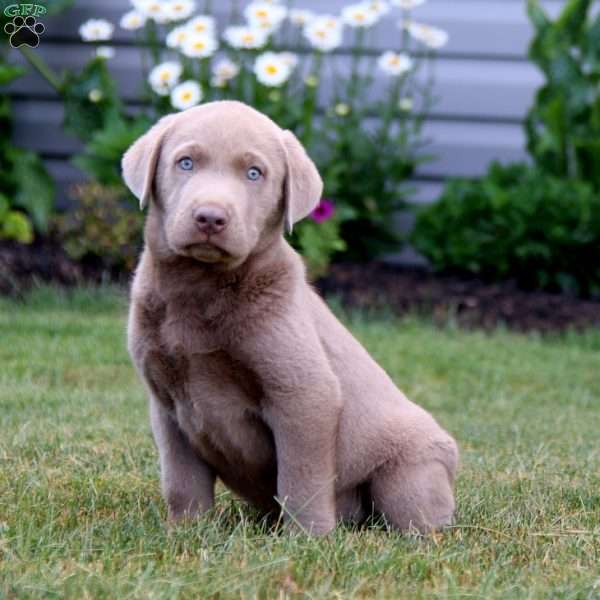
(330, 21)
(132, 20)
(395, 64)
(408, 4)
(430, 36)
(164, 77)
(225, 69)
(202, 24)
(105, 52)
(301, 17)
(96, 30)
(263, 15)
(271, 69)
(177, 10)
(379, 7)
(199, 46)
(177, 37)
(324, 33)
(152, 9)
(249, 38)
(186, 95)
(359, 15)
(290, 59)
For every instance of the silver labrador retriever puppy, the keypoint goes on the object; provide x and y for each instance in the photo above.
(251, 378)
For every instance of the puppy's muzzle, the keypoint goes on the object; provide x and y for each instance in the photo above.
(211, 218)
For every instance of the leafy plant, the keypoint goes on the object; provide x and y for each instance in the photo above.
(102, 227)
(26, 189)
(319, 238)
(517, 222)
(563, 125)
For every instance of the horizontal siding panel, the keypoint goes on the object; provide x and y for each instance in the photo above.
(497, 89)
(466, 149)
(476, 27)
(462, 149)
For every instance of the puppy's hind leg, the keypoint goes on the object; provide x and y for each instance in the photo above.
(417, 495)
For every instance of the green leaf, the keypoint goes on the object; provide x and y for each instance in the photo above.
(9, 73)
(537, 15)
(35, 188)
(16, 226)
(573, 18)
(102, 155)
(4, 206)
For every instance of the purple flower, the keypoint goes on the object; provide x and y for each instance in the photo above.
(323, 212)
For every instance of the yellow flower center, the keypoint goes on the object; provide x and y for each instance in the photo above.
(321, 34)
(155, 8)
(360, 17)
(200, 28)
(186, 96)
(247, 38)
(165, 76)
(262, 13)
(272, 70)
(199, 45)
(394, 60)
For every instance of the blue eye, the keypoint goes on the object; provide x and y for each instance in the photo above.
(254, 174)
(186, 164)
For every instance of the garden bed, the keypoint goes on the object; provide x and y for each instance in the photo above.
(469, 302)
(403, 290)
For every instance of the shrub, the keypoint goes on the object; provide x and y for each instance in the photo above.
(517, 222)
(102, 227)
(563, 125)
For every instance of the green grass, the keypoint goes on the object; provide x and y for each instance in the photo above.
(81, 514)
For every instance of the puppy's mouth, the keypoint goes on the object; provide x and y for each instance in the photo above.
(207, 252)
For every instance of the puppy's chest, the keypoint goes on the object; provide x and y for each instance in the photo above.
(215, 398)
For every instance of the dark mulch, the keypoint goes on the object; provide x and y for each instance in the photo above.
(469, 302)
(44, 261)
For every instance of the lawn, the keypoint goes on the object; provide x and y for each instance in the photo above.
(81, 514)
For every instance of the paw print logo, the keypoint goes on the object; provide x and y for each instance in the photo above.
(24, 31)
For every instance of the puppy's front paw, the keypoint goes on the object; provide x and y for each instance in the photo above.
(181, 507)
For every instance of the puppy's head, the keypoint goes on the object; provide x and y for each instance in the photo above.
(222, 181)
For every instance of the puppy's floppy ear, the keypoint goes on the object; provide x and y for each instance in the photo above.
(140, 162)
(303, 185)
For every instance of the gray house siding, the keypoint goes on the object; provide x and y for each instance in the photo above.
(484, 84)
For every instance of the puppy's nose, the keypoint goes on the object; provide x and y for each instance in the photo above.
(211, 218)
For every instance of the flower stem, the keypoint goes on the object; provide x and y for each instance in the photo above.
(311, 103)
(153, 42)
(40, 65)
(355, 72)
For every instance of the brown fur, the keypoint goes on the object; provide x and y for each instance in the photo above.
(250, 376)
